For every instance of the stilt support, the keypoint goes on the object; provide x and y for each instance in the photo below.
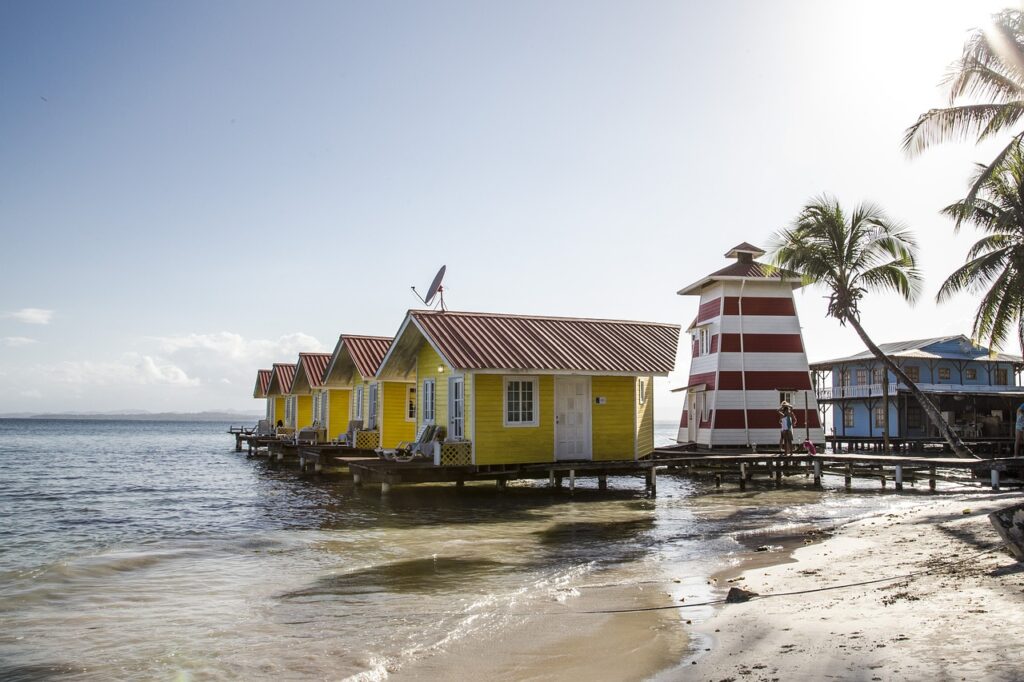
(995, 479)
(460, 484)
(357, 480)
(602, 482)
(718, 480)
(899, 477)
(500, 483)
(385, 488)
(931, 479)
(848, 479)
(817, 473)
(572, 480)
(652, 480)
(743, 476)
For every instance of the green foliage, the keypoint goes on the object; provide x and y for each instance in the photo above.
(986, 95)
(995, 264)
(851, 254)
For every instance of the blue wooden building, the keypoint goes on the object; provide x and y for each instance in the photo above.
(977, 390)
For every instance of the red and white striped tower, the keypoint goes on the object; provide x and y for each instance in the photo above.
(748, 355)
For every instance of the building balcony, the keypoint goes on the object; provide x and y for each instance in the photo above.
(827, 393)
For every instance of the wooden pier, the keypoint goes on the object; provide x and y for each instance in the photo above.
(724, 467)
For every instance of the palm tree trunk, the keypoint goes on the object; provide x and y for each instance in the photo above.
(959, 449)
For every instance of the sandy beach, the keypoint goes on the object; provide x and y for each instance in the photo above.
(918, 594)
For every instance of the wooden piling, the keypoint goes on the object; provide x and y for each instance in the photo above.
(899, 477)
(718, 480)
(572, 481)
(652, 480)
(778, 474)
(817, 473)
(848, 479)
(931, 478)
(995, 479)
(743, 476)
(602, 482)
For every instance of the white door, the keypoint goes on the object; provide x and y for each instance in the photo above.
(456, 408)
(692, 419)
(572, 418)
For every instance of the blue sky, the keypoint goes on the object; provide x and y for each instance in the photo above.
(193, 190)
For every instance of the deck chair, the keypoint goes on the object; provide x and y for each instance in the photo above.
(307, 435)
(263, 428)
(349, 437)
(407, 451)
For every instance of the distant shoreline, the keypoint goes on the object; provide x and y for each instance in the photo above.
(141, 417)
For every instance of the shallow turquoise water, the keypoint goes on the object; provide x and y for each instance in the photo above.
(152, 550)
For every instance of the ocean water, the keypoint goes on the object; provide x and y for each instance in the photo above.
(143, 550)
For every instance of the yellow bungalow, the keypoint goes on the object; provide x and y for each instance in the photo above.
(307, 389)
(277, 393)
(260, 390)
(514, 389)
(387, 409)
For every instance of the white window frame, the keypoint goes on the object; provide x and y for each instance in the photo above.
(970, 374)
(410, 403)
(789, 397)
(944, 371)
(324, 407)
(535, 394)
(852, 421)
(704, 341)
(429, 401)
(373, 407)
(357, 403)
(456, 417)
(641, 391)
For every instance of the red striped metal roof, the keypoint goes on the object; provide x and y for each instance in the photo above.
(477, 341)
(262, 383)
(366, 352)
(282, 377)
(314, 365)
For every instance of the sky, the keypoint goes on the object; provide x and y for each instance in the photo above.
(190, 190)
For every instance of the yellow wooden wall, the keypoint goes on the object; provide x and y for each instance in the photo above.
(337, 411)
(303, 411)
(645, 419)
(614, 423)
(394, 427)
(278, 409)
(497, 444)
(426, 366)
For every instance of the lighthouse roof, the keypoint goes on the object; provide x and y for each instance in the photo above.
(745, 268)
(745, 247)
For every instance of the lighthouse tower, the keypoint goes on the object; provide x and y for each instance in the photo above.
(748, 356)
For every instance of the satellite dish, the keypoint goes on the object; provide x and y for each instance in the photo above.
(435, 286)
(435, 289)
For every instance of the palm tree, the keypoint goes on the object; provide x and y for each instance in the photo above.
(995, 264)
(852, 255)
(986, 94)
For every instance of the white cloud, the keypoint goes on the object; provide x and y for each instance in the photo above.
(17, 341)
(131, 369)
(237, 349)
(31, 315)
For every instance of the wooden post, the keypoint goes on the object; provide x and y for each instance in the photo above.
(817, 473)
(357, 480)
(602, 482)
(718, 480)
(558, 481)
(460, 483)
(849, 476)
(778, 474)
(500, 483)
(572, 481)
(931, 478)
(882, 478)
(743, 476)
(652, 480)
(899, 477)
(551, 478)
(318, 467)
(385, 488)
(995, 479)
(238, 442)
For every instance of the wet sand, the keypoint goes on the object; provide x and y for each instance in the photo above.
(914, 594)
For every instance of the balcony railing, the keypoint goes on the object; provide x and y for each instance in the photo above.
(875, 390)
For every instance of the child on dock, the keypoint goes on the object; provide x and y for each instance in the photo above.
(787, 421)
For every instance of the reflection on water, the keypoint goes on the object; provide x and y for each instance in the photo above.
(153, 550)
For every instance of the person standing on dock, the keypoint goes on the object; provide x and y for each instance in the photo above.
(1018, 440)
(787, 422)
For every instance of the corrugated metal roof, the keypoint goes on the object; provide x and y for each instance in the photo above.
(262, 383)
(366, 352)
(283, 376)
(915, 349)
(741, 269)
(313, 366)
(744, 247)
(477, 341)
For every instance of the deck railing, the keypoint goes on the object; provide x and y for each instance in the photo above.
(875, 390)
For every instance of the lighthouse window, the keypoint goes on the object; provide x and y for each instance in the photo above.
(705, 341)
